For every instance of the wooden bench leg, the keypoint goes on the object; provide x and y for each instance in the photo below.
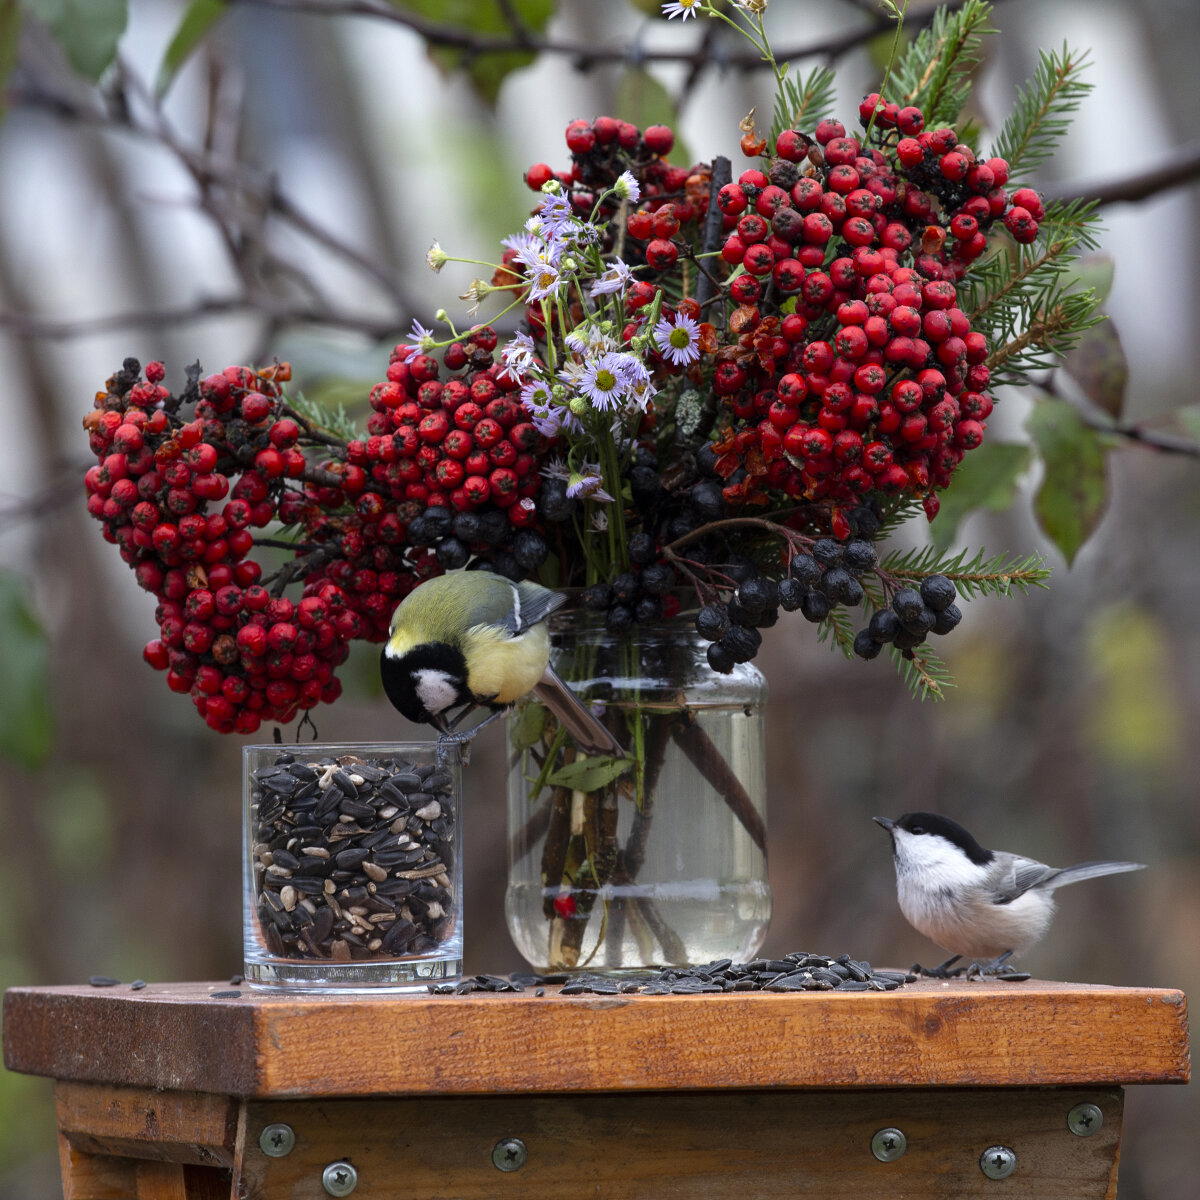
(119, 1143)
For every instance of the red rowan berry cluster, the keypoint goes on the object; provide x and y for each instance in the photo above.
(448, 472)
(849, 366)
(180, 498)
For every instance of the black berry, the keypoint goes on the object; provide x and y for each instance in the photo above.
(938, 592)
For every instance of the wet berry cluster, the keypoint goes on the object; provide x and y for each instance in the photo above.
(850, 366)
(180, 493)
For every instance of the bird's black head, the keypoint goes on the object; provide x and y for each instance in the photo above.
(426, 681)
(919, 823)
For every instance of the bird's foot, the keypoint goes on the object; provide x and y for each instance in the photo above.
(998, 968)
(461, 740)
(946, 970)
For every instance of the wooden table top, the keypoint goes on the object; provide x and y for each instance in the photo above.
(927, 1034)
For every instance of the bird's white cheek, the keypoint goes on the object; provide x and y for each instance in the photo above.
(436, 691)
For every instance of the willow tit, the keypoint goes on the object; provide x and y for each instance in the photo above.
(471, 638)
(982, 904)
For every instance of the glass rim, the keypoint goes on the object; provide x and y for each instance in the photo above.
(452, 752)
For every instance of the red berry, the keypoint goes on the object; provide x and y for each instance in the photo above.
(659, 139)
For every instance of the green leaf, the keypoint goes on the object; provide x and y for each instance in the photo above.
(88, 30)
(986, 478)
(644, 101)
(1074, 491)
(1189, 418)
(1095, 272)
(488, 70)
(590, 774)
(10, 32)
(529, 726)
(200, 17)
(1098, 365)
(26, 726)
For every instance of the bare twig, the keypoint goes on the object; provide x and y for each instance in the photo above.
(1179, 167)
(455, 37)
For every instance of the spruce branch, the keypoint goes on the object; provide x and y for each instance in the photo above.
(935, 71)
(976, 575)
(802, 103)
(837, 631)
(1041, 113)
(925, 674)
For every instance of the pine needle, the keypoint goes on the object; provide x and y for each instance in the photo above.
(804, 102)
(935, 71)
(978, 575)
(1041, 113)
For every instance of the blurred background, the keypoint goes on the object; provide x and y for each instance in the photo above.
(347, 148)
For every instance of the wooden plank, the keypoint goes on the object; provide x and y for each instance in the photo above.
(88, 1177)
(167, 1045)
(160, 1181)
(929, 1034)
(769, 1146)
(179, 1127)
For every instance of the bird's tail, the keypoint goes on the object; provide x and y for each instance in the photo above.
(589, 735)
(1091, 870)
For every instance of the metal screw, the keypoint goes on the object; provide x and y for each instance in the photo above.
(509, 1154)
(277, 1140)
(888, 1145)
(998, 1162)
(339, 1179)
(1084, 1120)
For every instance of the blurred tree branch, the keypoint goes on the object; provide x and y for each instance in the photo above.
(241, 200)
(1179, 166)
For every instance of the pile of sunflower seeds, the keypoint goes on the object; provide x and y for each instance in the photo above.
(352, 857)
(798, 972)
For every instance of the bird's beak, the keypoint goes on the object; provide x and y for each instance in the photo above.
(438, 721)
(886, 822)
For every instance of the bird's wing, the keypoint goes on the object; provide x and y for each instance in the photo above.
(1017, 875)
(534, 604)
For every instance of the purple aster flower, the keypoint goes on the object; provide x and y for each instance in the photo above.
(585, 485)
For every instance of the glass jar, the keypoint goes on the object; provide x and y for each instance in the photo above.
(352, 866)
(659, 859)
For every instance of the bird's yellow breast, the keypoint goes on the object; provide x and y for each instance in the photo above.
(501, 669)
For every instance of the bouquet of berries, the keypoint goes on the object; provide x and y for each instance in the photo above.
(718, 392)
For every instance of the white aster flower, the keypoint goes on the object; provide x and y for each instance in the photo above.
(589, 339)
(754, 7)
(518, 356)
(627, 187)
(436, 257)
(543, 276)
(640, 394)
(680, 8)
(615, 279)
(602, 382)
(678, 339)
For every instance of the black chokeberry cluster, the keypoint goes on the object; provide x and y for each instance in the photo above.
(482, 540)
(915, 613)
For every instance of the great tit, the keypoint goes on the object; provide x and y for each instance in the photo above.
(986, 904)
(473, 638)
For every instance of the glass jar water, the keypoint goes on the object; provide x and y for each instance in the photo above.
(660, 860)
(352, 866)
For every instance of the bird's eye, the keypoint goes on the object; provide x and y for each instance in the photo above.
(916, 829)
